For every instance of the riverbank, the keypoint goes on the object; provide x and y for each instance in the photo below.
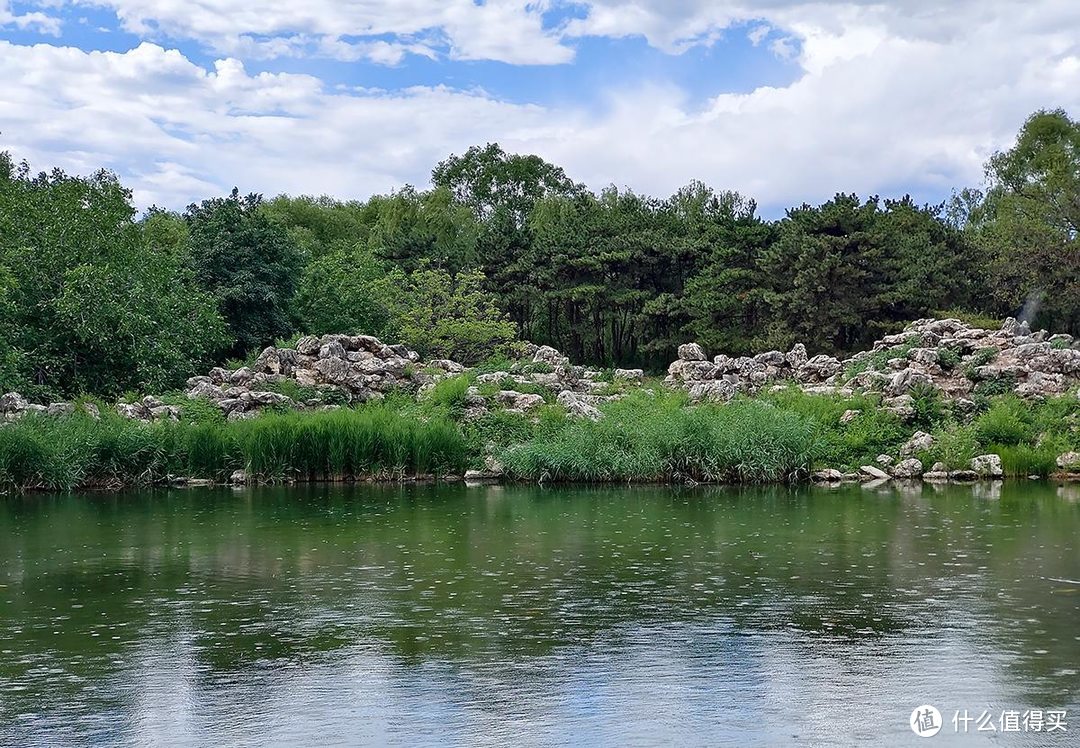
(651, 434)
(941, 400)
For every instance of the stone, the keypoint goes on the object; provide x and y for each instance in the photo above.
(633, 375)
(828, 475)
(577, 407)
(545, 354)
(12, 402)
(238, 477)
(333, 349)
(849, 416)
(869, 472)
(884, 460)
(796, 357)
(204, 389)
(909, 468)
(920, 441)
(715, 391)
(60, 409)
(987, 466)
(818, 369)
(1069, 462)
(691, 352)
(492, 471)
(308, 345)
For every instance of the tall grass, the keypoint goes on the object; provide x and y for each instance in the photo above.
(658, 438)
(77, 451)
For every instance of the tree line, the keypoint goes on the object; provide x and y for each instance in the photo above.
(95, 298)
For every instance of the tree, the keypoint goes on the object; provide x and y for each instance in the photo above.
(1028, 222)
(249, 264)
(444, 316)
(89, 299)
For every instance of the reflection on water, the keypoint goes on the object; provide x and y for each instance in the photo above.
(510, 615)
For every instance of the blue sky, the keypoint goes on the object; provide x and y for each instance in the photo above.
(785, 101)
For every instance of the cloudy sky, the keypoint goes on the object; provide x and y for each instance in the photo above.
(785, 101)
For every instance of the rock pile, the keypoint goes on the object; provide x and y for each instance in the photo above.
(323, 371)
(718, 380)
(956, 359)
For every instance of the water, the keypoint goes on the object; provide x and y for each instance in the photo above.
(522, 616)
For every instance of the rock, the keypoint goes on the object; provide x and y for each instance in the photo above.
(243, 375)
(633, 375)
(849, 416)
(577, 407)
(308, 345)
(716, 391)
(828, 475)
(491, 472)
(818, 369)
(904, 381)
(691, 352)
(1069, 462)
(517, 401)
(987, 466)
(217, 375)
(796, 357)
(12, 402)
(884, 460)
(545, 354)
(902, 406)
(204, 389)
(909, 468)
(60, 409)
(333, 349)
(869, 472)
(920, 441)
(238, 477)
(963, 475)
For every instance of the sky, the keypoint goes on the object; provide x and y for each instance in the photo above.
(784, 101)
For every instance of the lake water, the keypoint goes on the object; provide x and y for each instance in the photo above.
(446, 615)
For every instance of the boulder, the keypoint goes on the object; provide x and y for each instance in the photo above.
(796, 357)
(987, 466)
(909, 468)
(1069, 462)
(545, 354)
(849, 416)
(920, 441)
(818, 369)
(691, 352)
(633, 375)
(238, 477)
(869, 472)
(576, 407)
(828, 475)
(715, 390)
(12, 402)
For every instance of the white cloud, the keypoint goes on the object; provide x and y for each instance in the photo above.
(35, 21)
(506, 30)
(886, 101)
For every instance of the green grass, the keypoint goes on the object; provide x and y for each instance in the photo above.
(648, 436)
(67, 453)
(658, 438)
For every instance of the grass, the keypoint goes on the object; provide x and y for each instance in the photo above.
(650, 435)
(658, 438)
(78, 451)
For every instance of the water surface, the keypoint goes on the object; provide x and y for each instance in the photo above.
(526, 616)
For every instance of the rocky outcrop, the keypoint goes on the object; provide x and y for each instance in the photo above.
(946, 355)
(720, 379)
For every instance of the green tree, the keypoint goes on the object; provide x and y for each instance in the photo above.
(90, 300)
(1028, 222)
(444, 316)
(249, 264)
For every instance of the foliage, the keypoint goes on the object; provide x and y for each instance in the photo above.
(442, 316)
(248, 263)
(79, 451)
(90, 300)
(657, 438)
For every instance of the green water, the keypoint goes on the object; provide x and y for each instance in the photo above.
(524, 616)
